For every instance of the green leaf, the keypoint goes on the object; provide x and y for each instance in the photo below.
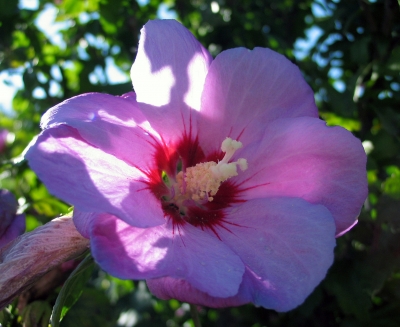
(388, 206)
(393, 62)
(334, 120)
(93, 309)
(392, 185)
(72, 290)
(70, 9)
(36, 314)
(346, 282)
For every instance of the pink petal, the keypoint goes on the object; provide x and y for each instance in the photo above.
(92, 180)
(286, 243)
(168, 75)
(245, 90)
(167, 288)
(287, 246)
(113, 124)
(83, 220)
(186, 253)
(304, 158)
(3, 139)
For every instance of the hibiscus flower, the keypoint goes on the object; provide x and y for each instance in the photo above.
(215, 181)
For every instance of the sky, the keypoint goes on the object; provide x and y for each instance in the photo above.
(11, 80)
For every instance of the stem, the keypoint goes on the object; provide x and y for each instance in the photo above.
(195, 315)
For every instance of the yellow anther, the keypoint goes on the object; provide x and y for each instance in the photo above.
(202, 181)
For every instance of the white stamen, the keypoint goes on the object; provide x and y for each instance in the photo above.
(242, 164)
(229, 146)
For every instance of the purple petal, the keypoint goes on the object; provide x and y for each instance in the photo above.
(304, 158)
(15, 229)
(91, 179)
(113, 124)
(11, 224)
(168, 75)
(287, 248)
(8, 209)
(245, 90)
(186, 253)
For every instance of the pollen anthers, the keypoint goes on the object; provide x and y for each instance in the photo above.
(202, 181)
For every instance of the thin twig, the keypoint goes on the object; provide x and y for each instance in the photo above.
(195, 315)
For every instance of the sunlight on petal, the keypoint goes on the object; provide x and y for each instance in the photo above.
(162, 80)
(197, 70)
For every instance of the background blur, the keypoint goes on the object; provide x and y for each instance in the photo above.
(348, 51)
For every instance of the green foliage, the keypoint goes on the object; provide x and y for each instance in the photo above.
(72, 290)
(353, 68)
(36, 314)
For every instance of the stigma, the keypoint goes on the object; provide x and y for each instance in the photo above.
(201, 182)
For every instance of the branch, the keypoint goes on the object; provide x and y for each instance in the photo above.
(390, 12)
(364, 5)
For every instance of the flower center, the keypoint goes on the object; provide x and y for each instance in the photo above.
(192, 187)
(201, 182)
